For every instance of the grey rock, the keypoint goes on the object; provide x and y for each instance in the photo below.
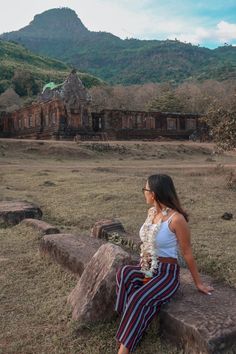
(227, 216)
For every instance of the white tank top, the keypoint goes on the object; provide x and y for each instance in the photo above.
(166, 241)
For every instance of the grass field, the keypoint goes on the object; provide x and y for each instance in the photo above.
(77, 184)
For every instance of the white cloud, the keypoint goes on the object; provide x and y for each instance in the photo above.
(226, 31)
(222, 33)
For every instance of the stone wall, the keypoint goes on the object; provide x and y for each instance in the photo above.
(40, 120)
(139, 124)
(56, 119)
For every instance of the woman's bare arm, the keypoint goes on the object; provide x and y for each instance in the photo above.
(182, 231)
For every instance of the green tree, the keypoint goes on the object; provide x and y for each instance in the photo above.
(166, 102)
(25, 84)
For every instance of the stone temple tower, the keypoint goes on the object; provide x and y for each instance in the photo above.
(76, 101)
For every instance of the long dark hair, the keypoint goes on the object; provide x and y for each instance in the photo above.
(165, 192)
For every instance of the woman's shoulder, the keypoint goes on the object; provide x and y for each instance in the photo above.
(177, 217)
(152, 211)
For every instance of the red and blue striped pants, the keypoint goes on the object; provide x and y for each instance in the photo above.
(139, 303)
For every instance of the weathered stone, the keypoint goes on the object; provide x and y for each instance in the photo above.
(43, 227)
(201, 323)
(102, 227)
(11, 213)
(63, 111)
(227, 216)
(93, 298)
(71, 251)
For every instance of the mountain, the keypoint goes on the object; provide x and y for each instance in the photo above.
(59, 33)
(18, 62)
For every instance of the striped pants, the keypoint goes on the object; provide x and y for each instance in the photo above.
(139, 303)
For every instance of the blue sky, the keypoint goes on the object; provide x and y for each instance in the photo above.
(206, 23)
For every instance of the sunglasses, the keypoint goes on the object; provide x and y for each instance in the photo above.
(146, 190)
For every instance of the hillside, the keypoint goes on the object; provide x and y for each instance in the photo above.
(59, 33)
(17, 61)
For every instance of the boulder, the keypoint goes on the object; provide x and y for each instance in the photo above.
(41, 226)
(71, 251)
(201, 323)
(93, 299)
(11, 213)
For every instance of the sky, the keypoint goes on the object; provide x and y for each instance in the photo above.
(209, 23)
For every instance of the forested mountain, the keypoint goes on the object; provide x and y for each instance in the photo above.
(27, 72)
(59, 33)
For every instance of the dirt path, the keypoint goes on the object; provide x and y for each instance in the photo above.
(80, 164)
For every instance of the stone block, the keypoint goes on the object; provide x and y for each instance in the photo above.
(201, 323)
(102, 227)
(71, 251)
(93, 299)
(13, 212)
(41, 226)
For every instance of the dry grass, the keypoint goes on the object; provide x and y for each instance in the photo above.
(78, 185)
(34, 315)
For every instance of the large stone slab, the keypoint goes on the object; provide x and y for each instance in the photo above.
(71, 251)
(11, 213)
(201, 323)
(93, 299)
(41, 226)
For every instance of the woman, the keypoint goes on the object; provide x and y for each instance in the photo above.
(142, 289)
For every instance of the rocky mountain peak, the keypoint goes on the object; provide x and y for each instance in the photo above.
(64, 17)
(54, 23)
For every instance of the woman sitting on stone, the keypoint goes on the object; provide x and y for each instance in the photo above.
(142, 289)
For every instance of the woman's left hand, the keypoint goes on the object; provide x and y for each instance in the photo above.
(205, 288)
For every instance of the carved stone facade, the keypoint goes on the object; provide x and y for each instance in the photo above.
(59, 113)
(138, 124)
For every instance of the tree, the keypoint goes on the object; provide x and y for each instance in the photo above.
(9, 101)
(222, 122)
(166, 102)
(24, 83)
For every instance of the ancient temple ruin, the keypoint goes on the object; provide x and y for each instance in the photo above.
(61, 112)
(124, 124)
